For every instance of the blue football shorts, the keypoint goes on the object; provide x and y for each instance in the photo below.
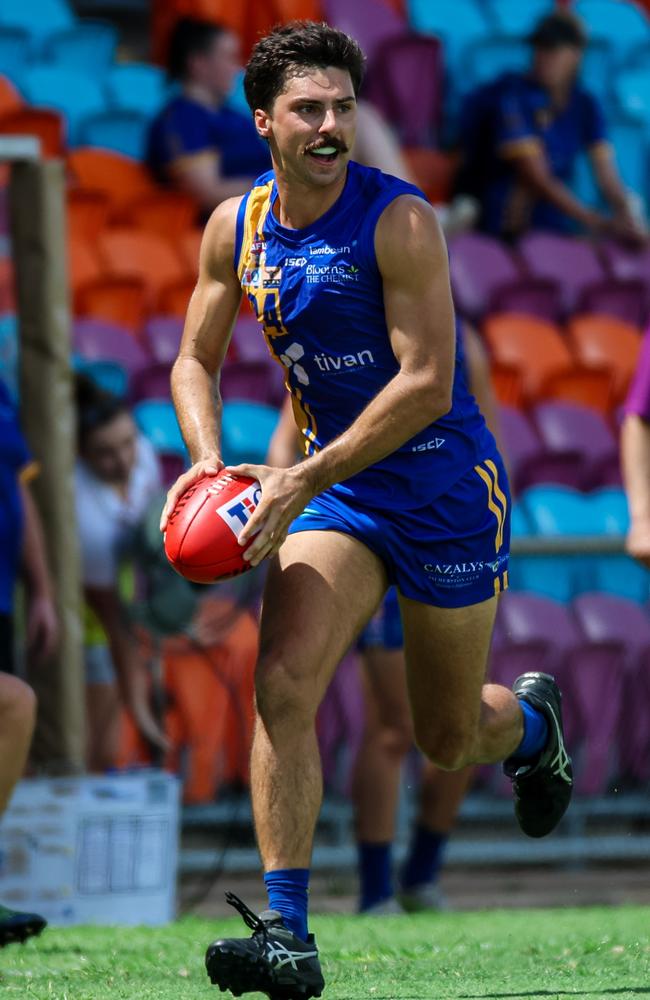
(385, 627)
(451, 553)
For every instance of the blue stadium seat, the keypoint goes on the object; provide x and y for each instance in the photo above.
(88, 46)
(512, 17)
(519, 523)
(597, 71)
(246, 431)
(14, 52)
(623, 25)
(457, 24)
(137, 87)
(157, 421)
(9, 352)
(39, 18)
(632, 90)
(108, 375)
(122, 131)
(487, 58)
(630, 141)
(237, 98)
(74, 94)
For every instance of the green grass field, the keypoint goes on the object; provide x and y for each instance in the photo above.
(590, 953)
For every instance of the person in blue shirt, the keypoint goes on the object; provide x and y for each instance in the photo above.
(402, 483)
(520, 137)
(197, 143)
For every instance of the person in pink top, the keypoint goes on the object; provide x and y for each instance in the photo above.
(635, 457)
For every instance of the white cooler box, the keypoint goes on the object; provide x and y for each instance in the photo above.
(92, 850)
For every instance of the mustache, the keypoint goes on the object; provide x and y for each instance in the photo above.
(336, 144)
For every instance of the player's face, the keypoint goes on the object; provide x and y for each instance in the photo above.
(556, 67)
(311, 126)
(109, 450)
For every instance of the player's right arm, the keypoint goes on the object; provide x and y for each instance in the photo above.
(635, 462)
(210, 317)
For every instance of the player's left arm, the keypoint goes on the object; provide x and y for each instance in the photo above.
(412, 259)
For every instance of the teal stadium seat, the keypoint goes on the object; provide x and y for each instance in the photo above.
(246, 431)
(157, 421)
(632, 89)
(629, 139)
(39, 18)
(617, 574)
(622, 25)
(512, 17)
(487, 58)
(597, 72)
(108, 375)
(88, 47)
(458, 24)
(9, 352)
(137, 87)
(122, 131)
(75, 94)
(14, 52)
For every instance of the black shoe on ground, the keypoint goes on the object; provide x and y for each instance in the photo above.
(542, 788)
(272, 961)
(17, 926)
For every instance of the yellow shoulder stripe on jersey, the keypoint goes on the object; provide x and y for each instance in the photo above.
(257, 208)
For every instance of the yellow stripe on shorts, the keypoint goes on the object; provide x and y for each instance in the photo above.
(496, 510)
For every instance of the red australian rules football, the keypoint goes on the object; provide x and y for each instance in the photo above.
(203, 528)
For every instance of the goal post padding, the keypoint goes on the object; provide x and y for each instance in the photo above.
(39, 244)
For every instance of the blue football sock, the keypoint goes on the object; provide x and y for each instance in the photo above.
(288, 889)
(425, 857)
(375, 873)
(535, 733)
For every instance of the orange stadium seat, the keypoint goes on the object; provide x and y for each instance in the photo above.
(86, 213)
(189, 246)
(432, 171)
(507, 383)
(175, 296)
(134, 253)
(122, 301)
(10, 99)
(168, 213)
(119, 177)
(7, 292)
(83, 264)
(534, 346)
(584, 386)
(46, 125)
(604, 342)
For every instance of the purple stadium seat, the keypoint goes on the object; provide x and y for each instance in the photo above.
(248, 339)
(163, 336)
(624, 262)
(369, 21)
(627, 299)
(596, 681)
(607, 617)
(151, 382)
(258, 381)
(571, 262)
(340, 724)
(522, 444)
(172, 466)
(579, 432)
(486, 278)
(97, 340)
(402, 66)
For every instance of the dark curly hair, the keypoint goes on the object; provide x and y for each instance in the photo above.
(289, 49)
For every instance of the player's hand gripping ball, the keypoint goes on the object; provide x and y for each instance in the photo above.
(203, 528)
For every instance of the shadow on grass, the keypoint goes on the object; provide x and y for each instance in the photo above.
(556, 993)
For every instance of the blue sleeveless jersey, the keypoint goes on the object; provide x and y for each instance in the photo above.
(317, 293)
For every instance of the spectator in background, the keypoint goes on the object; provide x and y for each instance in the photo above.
(197, 143)
(520, 137)
(635, 457)
(116, 477)
(22, 550)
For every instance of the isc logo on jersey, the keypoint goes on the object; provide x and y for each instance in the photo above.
(237, 513)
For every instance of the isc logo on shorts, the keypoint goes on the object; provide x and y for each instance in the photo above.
(237, 513)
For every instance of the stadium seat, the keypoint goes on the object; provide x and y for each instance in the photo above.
(10, 99)
(511, 17)
(157, 421)
(170, 214)
(371, 22)
(7, 286)
(257, 381)
(119, 177)
(246, 431)
(632, 90)
(162, 336)
(174, 296)
(622, 25)
(38, 19)
(114, 300)
(558, 510)
(580, 435)
(606, 343)
(629, 140)
(97, 340)
(582, 386)
(116, 129)
(605, 617)
(597, 71)
(339, 725)
(487, 58)
(88, 46)
(626, 262)
(171, 466)
(487, 278)
(137, 87)
(403, 66)
(83, 263)
(507, 384)
(457, 24)
(534, 346)
(133, 253)
(596, 682)
(9, 352)
(189, 246)
(623, 300)
(14, 53)
(86, 213)
(521, 444)
(571, 262)
(248, 340)
(433, 171)
(108, 375)
(75, 94)
(47, 126)
(151, 382)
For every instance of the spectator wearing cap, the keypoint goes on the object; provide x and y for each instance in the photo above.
(197, 143)
(521, 135)
(635, 457)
